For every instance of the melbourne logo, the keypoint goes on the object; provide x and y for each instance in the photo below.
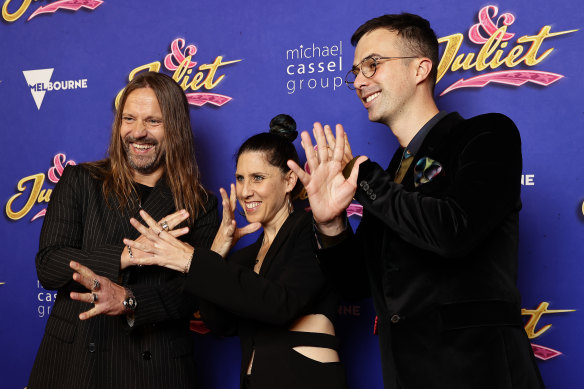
(180, 61)
(492, 34)
(19, 205)
(16, 11)
(39, 82)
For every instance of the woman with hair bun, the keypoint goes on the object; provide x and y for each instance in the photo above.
(272, 294)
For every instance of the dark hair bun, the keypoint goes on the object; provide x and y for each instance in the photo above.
(285, 126)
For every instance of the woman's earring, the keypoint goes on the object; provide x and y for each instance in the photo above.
(290, 206)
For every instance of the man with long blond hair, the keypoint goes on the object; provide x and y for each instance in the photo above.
(133, 328)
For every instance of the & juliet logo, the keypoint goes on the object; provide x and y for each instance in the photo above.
(13, 14)
(36, 195)
(180, 61)
(495, 52)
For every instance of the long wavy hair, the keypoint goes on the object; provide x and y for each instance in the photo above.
(181, 171)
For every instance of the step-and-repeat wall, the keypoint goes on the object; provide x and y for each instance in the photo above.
(241, 63)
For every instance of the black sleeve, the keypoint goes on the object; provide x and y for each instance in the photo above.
(483, 190)
(62, 235)
(242, 292)
(167, 301)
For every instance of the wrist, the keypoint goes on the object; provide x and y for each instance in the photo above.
(331, 228)
(129, 302)
(187, 265)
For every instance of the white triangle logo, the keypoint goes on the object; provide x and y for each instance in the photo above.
(36, 77)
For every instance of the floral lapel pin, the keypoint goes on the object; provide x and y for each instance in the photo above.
(425, 170)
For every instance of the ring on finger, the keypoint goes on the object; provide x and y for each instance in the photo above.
(94, 298)
(164, 225)
(96, 285)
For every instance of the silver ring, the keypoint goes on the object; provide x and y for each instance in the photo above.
(164, 225)
(96, 285)
(94, 298)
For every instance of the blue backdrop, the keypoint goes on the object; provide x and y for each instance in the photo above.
(63, 63)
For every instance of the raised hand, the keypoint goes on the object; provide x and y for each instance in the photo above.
(106, 296)
(330, 139)
(329, 193)
(170, 222)
(160, 247)
(228, 233)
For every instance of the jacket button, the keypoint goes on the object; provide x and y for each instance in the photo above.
(370, 191)
(146, 355)
(91, 347)
(395, 318)
(364, 185)
(373, 196)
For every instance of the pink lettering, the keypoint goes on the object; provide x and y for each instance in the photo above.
(485, 21)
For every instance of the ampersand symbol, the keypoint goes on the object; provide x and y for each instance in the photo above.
(56, 171)
(486, 22)
(173, 60)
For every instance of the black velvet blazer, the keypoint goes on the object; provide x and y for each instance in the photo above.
(438, 254)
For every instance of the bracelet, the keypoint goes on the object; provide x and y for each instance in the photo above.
(188, 264)
(130, 252)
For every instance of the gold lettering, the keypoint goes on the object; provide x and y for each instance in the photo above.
(462, 62)
(209, 84)
(513, 55)
(149, 67)
(45, 196)
(496, 61)
(536, 314)
(36, 188)
(181, 71)
(531, 55)
(489, 48)
(453, 43)
(196, 84)
(11, 17)
(454, 61)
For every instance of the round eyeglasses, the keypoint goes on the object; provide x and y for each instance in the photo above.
(367, 67)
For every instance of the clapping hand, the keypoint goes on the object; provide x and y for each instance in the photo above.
(229, 233)
(329, 193)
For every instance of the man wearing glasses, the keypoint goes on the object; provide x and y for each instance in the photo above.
(437, 245)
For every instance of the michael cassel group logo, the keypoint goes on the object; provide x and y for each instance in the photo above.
(39, 82)
(312, 66)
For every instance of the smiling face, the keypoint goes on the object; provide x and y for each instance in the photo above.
(385, 95)
(262, 189)
(142, 131)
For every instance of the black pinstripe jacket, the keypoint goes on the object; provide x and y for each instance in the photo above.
(104, 352)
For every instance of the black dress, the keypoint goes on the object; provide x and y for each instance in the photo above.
(260, 307)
